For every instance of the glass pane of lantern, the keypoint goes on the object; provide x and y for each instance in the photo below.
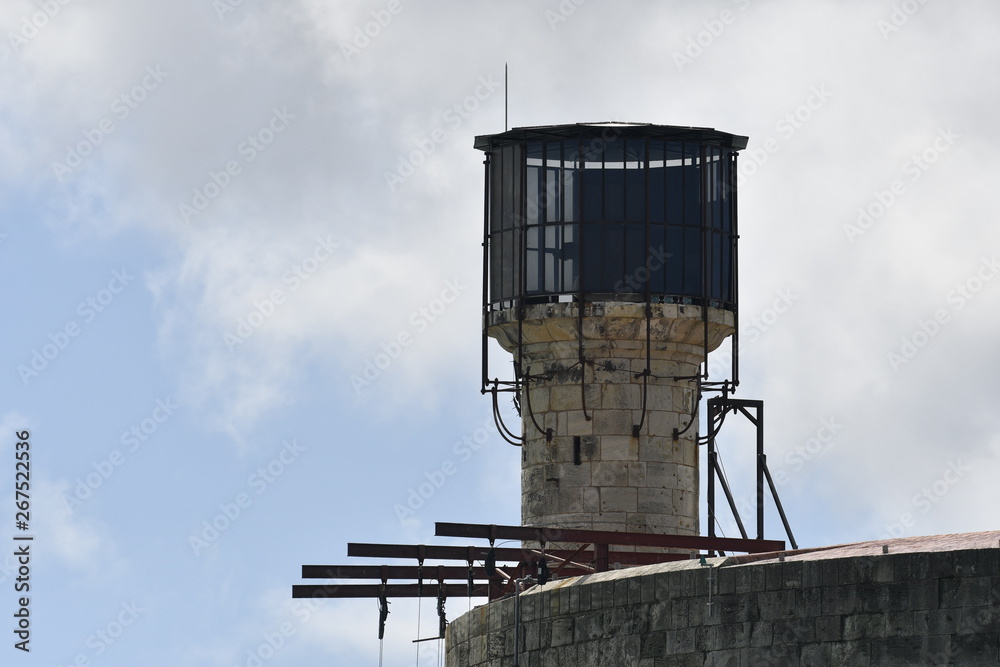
(657, 259)
(496, 270)
(614, 193)
(571, 264)
(635, 194)
(517, 281)
(552, 195)
(496, 190)
(613, 265)
(553, 258)
(507, 191)
(674, 269)
(727, 269)
(657, 181)
(590, 257)
(534, 178)
(517, 157)
(636, 259)
(692, 262)
(533, 259)
(592, 194)
(507, 264)
(571, 180)
(569, 196)
(614, 154)
(716, 256)
(675, 182)
(534, 152)
(691, 186)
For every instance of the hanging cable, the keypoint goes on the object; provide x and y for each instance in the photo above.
(442, 619)
(543, 565)
(527, 394)
(505, 432)
(383, 613)
(694, 413)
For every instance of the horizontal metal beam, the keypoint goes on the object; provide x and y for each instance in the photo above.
(428, 572)
(502, 555)
(429, 590)
(551, 535)
(417, 551)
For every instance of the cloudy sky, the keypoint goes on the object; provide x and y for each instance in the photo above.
(217, 215)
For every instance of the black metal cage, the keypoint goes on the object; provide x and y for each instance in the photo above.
(610, 212)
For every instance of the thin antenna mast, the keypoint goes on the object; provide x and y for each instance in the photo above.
(505, 97)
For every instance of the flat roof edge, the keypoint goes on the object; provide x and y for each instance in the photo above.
(486, 142)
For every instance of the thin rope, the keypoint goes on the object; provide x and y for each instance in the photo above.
(419, 600)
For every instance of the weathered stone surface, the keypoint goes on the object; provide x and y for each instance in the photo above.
(758, 615)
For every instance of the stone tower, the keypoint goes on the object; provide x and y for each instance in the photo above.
(610, 257)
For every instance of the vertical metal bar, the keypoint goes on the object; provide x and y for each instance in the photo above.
(522, 254)
(601, 557)
(486, 271)
(580, 306)
(734, 223)
(713, 409)
(517, 623)
(682, 255)
(760, 471)
(636, 429)
(703, 171)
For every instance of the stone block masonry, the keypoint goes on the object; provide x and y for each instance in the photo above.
(897, 609)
